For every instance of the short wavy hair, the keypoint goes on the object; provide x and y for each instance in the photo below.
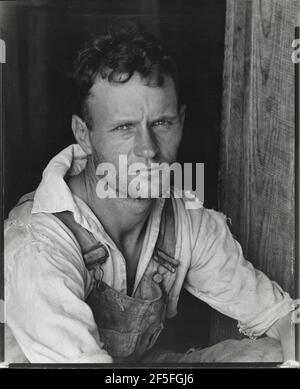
(116, 56)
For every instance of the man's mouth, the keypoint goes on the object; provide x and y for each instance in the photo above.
(147, 170)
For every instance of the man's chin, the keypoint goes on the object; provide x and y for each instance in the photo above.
(142, 199)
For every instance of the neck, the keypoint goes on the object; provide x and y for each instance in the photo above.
(123, 219)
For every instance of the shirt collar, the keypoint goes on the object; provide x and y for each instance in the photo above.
(53, 194)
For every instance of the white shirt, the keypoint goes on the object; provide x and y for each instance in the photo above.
(47, 283)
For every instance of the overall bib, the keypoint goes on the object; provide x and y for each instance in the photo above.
(130, 325)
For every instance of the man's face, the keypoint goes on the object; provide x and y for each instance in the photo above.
(132, 119)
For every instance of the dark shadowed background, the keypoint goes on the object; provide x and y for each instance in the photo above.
(42, 38)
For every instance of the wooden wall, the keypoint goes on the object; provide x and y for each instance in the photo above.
(256, 178)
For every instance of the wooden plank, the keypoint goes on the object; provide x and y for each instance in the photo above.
(297, 185)
(256, 178)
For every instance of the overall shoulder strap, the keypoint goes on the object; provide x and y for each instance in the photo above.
(94, 252)
(166, 243)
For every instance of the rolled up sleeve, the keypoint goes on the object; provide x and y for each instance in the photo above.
(45, 307)
(220, 276)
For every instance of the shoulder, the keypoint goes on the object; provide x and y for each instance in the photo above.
(196, 217)
(37, 233)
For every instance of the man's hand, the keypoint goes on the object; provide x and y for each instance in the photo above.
(284, 330)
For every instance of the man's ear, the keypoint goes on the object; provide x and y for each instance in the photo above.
(81, 134)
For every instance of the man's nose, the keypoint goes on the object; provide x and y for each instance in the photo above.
(145, 144)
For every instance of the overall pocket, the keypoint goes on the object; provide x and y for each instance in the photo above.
(119, 344)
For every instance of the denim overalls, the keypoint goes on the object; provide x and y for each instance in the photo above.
(129, 325)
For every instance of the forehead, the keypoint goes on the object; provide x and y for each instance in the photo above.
(132, 98)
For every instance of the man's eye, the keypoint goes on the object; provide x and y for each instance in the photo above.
(164, 123)
(124, 127)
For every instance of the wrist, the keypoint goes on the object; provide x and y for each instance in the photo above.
(284, 330)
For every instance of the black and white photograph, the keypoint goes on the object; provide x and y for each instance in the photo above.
(150, 184)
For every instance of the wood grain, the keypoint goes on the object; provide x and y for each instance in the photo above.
(256, 177)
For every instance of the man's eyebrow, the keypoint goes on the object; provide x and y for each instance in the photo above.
(165, 117)
(121, 122)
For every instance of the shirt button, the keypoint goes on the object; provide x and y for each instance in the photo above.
(157, 278)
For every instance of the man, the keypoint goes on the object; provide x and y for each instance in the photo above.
(92, 278)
